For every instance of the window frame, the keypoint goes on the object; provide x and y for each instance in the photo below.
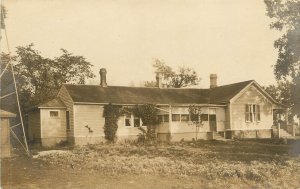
(68, 125)
(131, 121)
(252, 113)
(128, 116)
(54, 117)
(186, 115)
(177, 116)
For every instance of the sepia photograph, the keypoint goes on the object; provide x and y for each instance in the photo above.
(143, 94)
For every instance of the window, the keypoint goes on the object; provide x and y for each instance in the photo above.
(252, 112)
(204, 117)
(160, 118)
(163, 118)
(166, 118)
(54, 114)
(185, 117)
(136, 121)
(175, 117)
(127, 120)
(68, 120)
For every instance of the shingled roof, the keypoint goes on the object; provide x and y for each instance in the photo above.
(143, 95)
(56, 102)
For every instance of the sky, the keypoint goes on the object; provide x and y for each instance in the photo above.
(230, 38)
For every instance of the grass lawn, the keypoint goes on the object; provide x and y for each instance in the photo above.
(260, 163)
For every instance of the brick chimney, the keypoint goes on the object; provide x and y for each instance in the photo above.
(102, 73)
(213, 81)
(159, 80)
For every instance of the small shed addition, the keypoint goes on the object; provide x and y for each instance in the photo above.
(5, 133)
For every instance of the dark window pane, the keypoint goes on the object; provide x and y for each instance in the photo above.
(160, 118)
(53, 113)
(166, 118)
(127, 120)
(204, 117)
(212, 118)
(175, 117)
(136, 122)
(68, 120)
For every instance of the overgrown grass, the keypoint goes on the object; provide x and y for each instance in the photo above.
(269, 163)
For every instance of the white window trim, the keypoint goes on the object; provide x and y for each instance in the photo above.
(132, 122)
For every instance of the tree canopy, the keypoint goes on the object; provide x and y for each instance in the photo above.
(39, 78)
(286, 18)
(183, 77)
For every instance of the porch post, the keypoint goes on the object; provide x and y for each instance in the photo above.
(170, 119)
(286, 116)
(293, 129)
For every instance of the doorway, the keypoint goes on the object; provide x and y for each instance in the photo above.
(212, 119)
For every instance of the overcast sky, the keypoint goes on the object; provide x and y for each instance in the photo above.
(230, 38)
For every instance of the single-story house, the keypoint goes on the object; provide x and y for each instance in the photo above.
(242, 110)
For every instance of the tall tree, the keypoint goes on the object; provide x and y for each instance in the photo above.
(286, 18)
(182, 78)
(40, 78)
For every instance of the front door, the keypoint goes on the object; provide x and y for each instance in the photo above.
(213, 122)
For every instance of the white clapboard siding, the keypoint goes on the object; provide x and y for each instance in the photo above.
(251, 96)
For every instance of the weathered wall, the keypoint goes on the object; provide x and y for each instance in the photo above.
(53, 128)
(34, 125)
(5, 138)
(66, 98)
(262, 133)
(129, 132)
(89, 125)
(88, 121)
(251, 96)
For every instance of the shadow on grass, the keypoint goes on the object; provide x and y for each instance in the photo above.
(248, 150)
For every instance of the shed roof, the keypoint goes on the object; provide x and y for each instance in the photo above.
(6, 114)
(142, 95)
(56, 102)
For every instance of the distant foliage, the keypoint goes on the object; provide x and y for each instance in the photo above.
(286, 18)
(111, 114)
(174, 79)
(39, 78)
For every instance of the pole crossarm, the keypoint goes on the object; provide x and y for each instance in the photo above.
(16, 137)
(15, 125)
(6, 66)
(7, 95)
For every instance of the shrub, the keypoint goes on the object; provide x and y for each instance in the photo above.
(111, 114)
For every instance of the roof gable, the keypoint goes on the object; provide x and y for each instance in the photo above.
(259, 89)
(6, 114)
(56, 102)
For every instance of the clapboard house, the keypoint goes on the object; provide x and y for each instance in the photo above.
(241, 110)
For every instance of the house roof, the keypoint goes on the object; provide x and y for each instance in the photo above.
(56, 102)
(4, 113)
(142, 95)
